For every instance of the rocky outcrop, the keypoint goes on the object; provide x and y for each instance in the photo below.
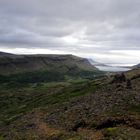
(119, 78)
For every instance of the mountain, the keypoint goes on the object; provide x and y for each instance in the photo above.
(11, 64)
(108, 68)
(4, 54)
(45, 67)
(136, 66)
(96, 63)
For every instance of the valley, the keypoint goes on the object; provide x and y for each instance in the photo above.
(54, 101)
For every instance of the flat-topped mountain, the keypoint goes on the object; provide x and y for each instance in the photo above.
(45, 67)
(11, 64)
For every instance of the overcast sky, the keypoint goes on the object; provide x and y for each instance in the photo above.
(105, 30)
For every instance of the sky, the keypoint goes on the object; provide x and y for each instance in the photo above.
(107, 31)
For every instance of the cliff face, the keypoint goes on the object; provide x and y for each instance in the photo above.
(12, 64)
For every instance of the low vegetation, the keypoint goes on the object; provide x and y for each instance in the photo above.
(76, 109)
(68, 102)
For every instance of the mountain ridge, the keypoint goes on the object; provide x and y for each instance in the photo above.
(45, 68)
(11, 63)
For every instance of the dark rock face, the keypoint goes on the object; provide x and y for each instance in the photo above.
(119, 78)
(122, 82)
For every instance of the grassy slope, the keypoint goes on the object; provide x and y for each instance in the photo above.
(130, 74)
(74, 110)
(49, 76)
(33, 96)
(20, 69)
(16, 102)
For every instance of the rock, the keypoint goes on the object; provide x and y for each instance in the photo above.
(128, 84)
(119, 78)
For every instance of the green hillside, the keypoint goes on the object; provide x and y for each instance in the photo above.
(44, 68)
(13, 64)
(102, 109)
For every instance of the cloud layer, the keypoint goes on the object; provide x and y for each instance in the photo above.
(106, 30)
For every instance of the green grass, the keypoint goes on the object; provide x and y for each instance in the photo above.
(120, 133)
(15, 102)
(22, 79)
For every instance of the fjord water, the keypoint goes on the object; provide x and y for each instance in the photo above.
(113, 68)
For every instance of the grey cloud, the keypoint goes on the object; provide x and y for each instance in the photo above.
(98, 25)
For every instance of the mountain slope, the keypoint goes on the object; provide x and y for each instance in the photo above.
(45, 68)
(103, 109)
(4, 54)
(11, 64)
(136, 66)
